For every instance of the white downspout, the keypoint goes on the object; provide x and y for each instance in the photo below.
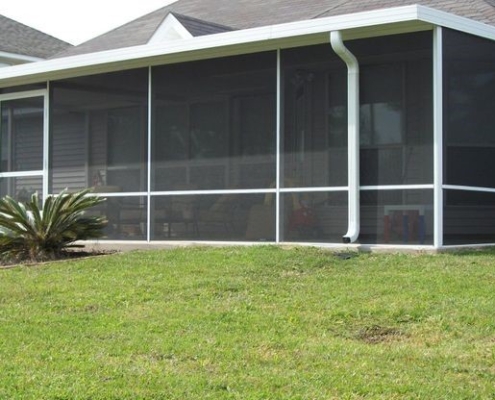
(352, 133)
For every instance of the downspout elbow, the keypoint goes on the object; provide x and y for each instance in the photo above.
(343, 52)
(352, 132)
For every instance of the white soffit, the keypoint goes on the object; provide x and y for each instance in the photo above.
(357, 25)
(170, 29)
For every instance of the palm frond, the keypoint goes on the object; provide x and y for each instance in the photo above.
(28, 231)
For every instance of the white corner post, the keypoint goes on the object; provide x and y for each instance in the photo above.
(352, 133)
(148, 182)
(46, 142)
(279, 148)
(437, 137)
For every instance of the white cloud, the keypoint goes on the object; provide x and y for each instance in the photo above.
(77, 21)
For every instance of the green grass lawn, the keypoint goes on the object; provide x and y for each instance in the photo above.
(250, 323)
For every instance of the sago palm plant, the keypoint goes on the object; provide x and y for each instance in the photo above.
(28, 232)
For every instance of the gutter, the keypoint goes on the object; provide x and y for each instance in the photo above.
(16, 59)
(352, 134)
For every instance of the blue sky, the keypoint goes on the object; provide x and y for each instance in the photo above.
(77, 21)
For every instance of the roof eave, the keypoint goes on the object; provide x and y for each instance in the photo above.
(357, 25)
(452, 21)
(15, 59)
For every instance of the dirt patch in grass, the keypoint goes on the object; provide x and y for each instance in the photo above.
(379, 334)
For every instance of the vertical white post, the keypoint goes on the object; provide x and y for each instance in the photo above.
(437, 137)
(10, 137)
(278, 150)
(148, 184)
(46, 140)
(10, 141)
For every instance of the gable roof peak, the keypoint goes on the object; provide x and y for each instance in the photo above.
(200, 27)
(177, 26)
(170, 29)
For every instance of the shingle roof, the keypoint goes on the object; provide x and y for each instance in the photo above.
(21, 39)
(478, 10)
(243, 14)
(198, 27)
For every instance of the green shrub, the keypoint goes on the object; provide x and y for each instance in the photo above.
(28, 232)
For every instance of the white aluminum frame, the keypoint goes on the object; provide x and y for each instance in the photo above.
(150, 127)
(440, 186)
(438, 137)
(213, 192)
(469, 188)
(398, 187)
(278, 156)
(43, 173)
(46, 143)
(23, 95)
(314, 189)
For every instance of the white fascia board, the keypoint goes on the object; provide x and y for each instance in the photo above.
(236, 42)
(462, 24)
(348, 21)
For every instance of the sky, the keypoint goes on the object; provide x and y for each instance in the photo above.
(77, 21)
